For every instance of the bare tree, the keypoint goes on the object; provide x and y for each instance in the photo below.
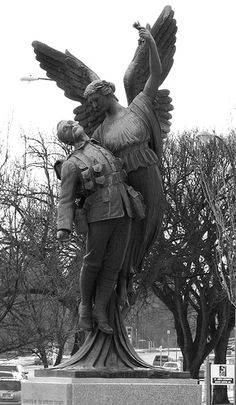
(181, 268)
(220, 191)
(39, 287)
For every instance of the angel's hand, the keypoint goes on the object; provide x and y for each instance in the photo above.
(145, 35)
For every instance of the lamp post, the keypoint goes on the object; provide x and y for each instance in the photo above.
(160, 349)
(168, 341)
(31, 78)
(206, 137)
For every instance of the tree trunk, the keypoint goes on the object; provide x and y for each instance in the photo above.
(220, 395)
(44, 359)
(60, 354)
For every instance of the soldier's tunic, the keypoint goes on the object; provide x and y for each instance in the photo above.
(94, 173)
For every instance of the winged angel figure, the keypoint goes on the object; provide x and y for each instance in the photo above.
(134, 133)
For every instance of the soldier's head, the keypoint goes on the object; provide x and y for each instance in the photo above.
(100, 94)
(70, 132)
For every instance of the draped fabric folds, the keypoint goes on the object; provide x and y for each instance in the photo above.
(136, 139)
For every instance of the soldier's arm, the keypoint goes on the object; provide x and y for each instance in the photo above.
(66, 206)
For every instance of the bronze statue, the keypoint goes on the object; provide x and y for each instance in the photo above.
(92, 176)
(134, 134)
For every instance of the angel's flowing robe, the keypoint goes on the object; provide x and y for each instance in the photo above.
(136, 139)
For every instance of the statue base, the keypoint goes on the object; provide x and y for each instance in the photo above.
(106, 370)
(152, 372)
(105, 391)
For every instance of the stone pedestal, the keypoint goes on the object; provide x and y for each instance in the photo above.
(106, 370)
(104, 391)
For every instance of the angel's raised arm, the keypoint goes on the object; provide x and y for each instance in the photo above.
(155, 67)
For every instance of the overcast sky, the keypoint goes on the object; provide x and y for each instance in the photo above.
(202, 80)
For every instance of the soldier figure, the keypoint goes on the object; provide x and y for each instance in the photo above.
(94, 175)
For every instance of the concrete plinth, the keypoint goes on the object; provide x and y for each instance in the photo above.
(103, 391)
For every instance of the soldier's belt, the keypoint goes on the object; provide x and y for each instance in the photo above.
(103, 181)
(114, 178)
(133, 148)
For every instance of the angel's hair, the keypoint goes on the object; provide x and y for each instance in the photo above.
(100, 86)
(65, 133)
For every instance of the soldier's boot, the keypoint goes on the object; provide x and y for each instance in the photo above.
(104, 291)
(87, 288)
(85, 317)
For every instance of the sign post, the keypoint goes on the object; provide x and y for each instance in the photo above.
(208, 381)
(222, 374)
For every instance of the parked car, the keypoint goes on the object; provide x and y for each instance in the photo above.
(171, 366)
(17, 369)
(8, 374)
(37, 361)
(10, 389)
(160, 359)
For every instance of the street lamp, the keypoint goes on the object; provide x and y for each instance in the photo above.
(206, 137)
(168, 341)
(31, 78)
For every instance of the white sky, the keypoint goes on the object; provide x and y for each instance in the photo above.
(202, 80)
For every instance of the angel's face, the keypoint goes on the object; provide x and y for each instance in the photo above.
(98, 102)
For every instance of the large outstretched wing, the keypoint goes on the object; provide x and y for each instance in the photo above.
(164, 32)
(72, 76)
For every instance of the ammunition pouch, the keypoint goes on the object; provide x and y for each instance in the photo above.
(137, 203)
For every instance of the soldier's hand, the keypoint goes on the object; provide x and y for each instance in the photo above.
(63, 235)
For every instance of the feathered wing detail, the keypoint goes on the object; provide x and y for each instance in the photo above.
(164, 32)
(88, 118)
(72, 76)
(163, 107)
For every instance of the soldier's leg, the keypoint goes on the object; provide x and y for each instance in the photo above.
(116, 250)
(124, 282)
(97, 240)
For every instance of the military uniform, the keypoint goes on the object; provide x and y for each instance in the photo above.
(93, 174)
